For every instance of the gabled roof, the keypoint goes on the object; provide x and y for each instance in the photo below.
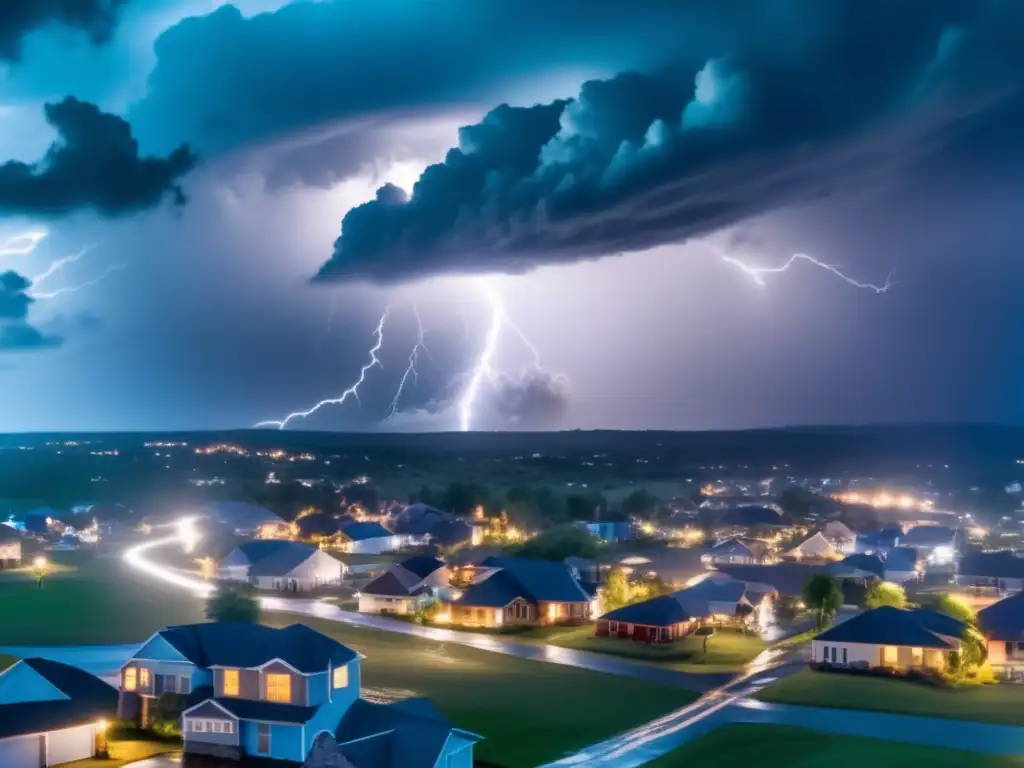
(661, 611)
(419, 519)
(992, 565)
(815, 545)
(422, 565)
(89, 699)
(261, 549)
(449, 532)
(240, 513)
(496, 591)
(364, 531)
(395, 583)
(691, 603)
(927, 536)
(1004, 620)
(228, 644)
(897, 626)
(8, 534)
(867, 563)
(250, 709)
(543, 579)
(901, 559)
(753, 516)
(284, 560)
(731, 548)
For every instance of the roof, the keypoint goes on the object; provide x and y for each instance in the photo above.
(752, 516)
(251, 645)
(661, 611)
(884, 538)
(8, 534)
(284, 561)
(395, 583)
(690, 603)
(264, 548)
(897, 626)
(786, 578)
(449, 532)
(251, 709)
(861, 562)
(240, 512)
(411, 733)
(418, 519)
(993, 565)
(89, 699)
(422, 565)
(901, 559)
(496, 591)
(1004, 620)
(927, 536)
(816, 544)
(365, 530)
(731, 548)
(543, 579)
(696, 600)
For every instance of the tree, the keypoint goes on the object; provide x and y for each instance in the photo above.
(886, 593)
(822, 595)
(620, 591)
(640, 503)
(955, 607)
(234, 601)
(559, 543)
(972, 654)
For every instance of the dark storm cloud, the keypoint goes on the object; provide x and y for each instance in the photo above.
(16, 335)
(14, 298)
(875, 90)
(22, 337)
(96, 18)
(95, 164)
(534, 400)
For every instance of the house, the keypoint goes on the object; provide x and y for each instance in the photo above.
(406, 586)
(739, 520)
(936, 543)
(896, 638)
(736, 552)
(817, 547)
(840, 536)
(10, 547)
(370, 538)
(860, 566)
(51, 714)
(1002, 625)
(251, 690)
(244, 518)
(610, 530)
(673, 565)
(279, 564)
(418, 519)
(902, 564)
(1002, 571)
(667, 618)
(509, 590)
(878, 542)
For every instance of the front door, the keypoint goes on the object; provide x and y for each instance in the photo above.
(263, 739)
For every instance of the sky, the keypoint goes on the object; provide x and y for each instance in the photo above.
(420, 215)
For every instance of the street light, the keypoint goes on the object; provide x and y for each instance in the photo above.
(39, 565)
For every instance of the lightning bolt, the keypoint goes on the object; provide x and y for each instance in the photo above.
(410, 369)
(59, 264)
(755, 273)
(352, 391)
(483, 368)
(23, 243)
(76, 288)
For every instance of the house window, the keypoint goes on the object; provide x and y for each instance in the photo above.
(168, 682)
(279, 688)
(211, 726)
(143, 677)
(340, 677)
(230, 682)
(664, 633)
(184, 685)
(835, 653)
(844, 657)
(612, 627)
(130, 677)
(917, 656)
(890, 655)
(263, 738)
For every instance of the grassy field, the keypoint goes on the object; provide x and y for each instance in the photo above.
(530, 712)
(122, 752)
(768, 746)
(989, 703)
(91, 600)
(727, 651)
(6, 661)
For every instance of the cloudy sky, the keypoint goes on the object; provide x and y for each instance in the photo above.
(682, 214)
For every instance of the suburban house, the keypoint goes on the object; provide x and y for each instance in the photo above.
(419, 521)
(864, 567)
(664, 619)
(840, 536)
(736, 552)
(1001, 571)
(406, 586)
(610, 530)
(879, 542)
(51, 714)
(281, 564)
(370, 538)
(509, 590)
(257, 691)
(902, 564)
(1002, 624)
(816, 547)
(10, 547)
(673, 565)
(740, 520)
(246, 519)
(936, 543)
(897, 638)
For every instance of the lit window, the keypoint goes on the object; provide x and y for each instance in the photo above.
(129, 678)
(279, 688)
(340, 677)
(143, 677)
(890, 655)
(917, 656)
(230, 682)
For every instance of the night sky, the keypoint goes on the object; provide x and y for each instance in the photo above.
(206, 210)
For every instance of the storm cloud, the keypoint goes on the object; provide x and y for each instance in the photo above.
(94, 165)
(16, 335)
(639, 160)
(96, 18)
(536, 399)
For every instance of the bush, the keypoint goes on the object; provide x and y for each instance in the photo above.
(926, 676)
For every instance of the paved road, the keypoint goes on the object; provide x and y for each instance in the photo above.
(160, 761)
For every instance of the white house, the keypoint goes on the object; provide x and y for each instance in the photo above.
(839, 535)
(51, 714)
(283, 565)
(10, 547)
(369, 538)
(406, 586)
(735, 552)
(817, 547)
(244, 518)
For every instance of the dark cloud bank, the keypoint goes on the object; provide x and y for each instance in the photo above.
(16, 335)
(873, 90)
(95, 18)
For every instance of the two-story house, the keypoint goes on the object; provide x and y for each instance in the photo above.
(264, 692)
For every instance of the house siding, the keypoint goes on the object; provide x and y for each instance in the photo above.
(872, 655)
(563, 613)
(248, 684)
(645, 633)
(285, 741)
(399, 606)
(473, 616)
(458, 753)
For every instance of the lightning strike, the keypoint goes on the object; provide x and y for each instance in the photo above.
(78, 287)
(23, 243)
(755, 273)
(59, 264)
(410, 370)
(483, 368)
(352, 391)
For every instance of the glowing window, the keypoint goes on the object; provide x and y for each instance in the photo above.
(917, 656)
(143, 677)
(279, 688)
(890, 655)
(230, 682)
(130, 678)
(340, 677)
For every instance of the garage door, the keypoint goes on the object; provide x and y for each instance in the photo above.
(70, 744)
(21, 752)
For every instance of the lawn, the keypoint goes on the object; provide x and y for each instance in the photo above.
(6, 661)
(92, 600)
(769, 746)
(530, 712)
(122, 752)
(989, 703)
(727, 651)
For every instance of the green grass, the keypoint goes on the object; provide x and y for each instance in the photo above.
(988, 703)
(529, 712)
(727, 651)
(6, 661)
(122, 752)
(93, 601)
(768, 746)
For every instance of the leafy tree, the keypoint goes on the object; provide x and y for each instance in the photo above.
(822, 595)
(585, 506)
(363, 494)
(886, 593)
(462, 498)
(955, 607)
(972, 655)
(559, 543)
(620, 591)
(640, 503)
(234, 601)
(796, 502)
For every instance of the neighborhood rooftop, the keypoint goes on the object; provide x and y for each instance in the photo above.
(898, 626)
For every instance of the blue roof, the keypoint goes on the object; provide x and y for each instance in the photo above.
(543, 579)
(89, 699)
(253, 709)
(882, 539)
(661, 611)
(263, 548)
(897, 626)
(496, 591)
(928, 535)
(364, 531)
(731, 547)
(284, 560)
(228, 644)
(992, 565)
(753, 516)
(871, 563)
(901, 559)
(1004, 620)
(422, 565)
